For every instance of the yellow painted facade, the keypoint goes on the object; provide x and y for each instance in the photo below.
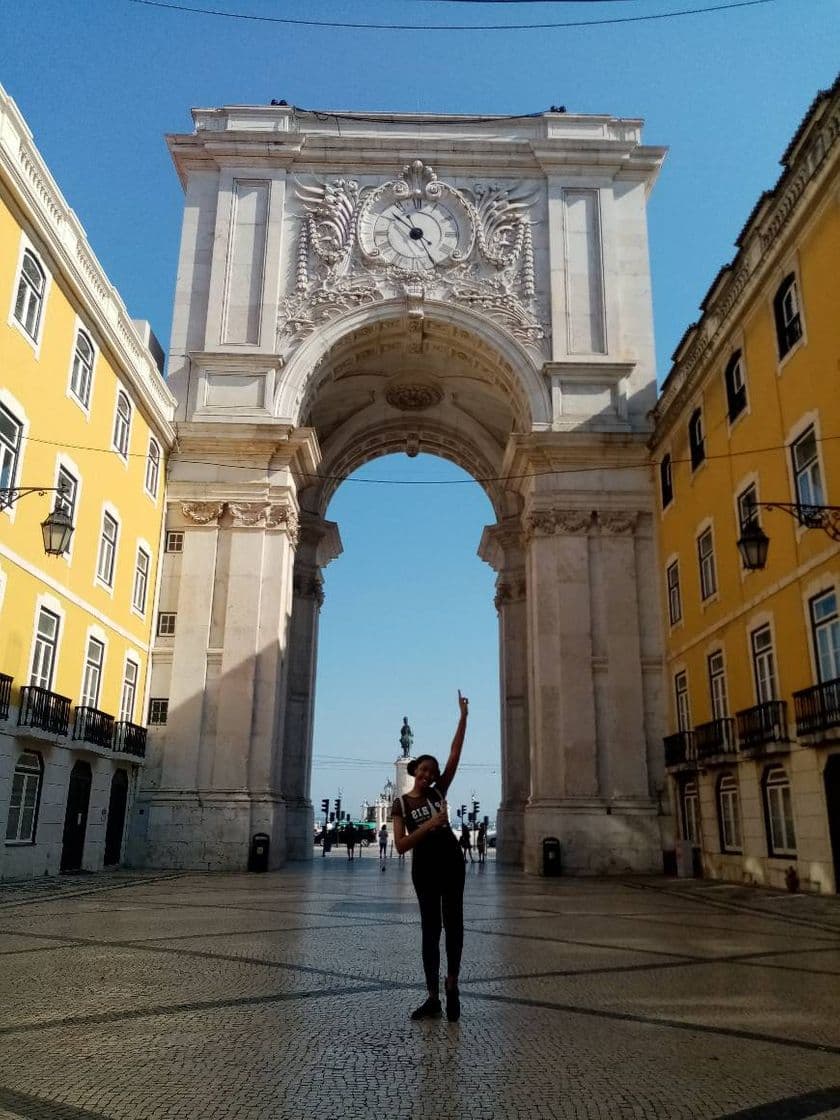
(753, 657)
(71, 359)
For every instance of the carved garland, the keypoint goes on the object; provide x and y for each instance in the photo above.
(250, 515)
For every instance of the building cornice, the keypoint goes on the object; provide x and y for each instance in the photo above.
(762, 242)
(38, 196)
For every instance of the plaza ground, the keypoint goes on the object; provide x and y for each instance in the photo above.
(145, 996)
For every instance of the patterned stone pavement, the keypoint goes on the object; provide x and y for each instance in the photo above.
(143, 996)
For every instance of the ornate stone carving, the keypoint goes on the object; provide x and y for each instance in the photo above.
(247, 514)
(547, 522)
(202, 513)
(618, 522)
(309, 585)
(281, 514)
(413, 397)
(509, 591)
(485, 262)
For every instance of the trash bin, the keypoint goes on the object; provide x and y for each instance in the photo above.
(551, 855)
(258, 852)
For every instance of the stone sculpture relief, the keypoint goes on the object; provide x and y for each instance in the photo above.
(414, 236)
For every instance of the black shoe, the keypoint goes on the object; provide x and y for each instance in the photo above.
(453, 1004)
(431, 1009)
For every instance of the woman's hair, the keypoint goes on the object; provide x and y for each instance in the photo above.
(411, 769)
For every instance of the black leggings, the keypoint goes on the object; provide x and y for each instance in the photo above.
(440, 892)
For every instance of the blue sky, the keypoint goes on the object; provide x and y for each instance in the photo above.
(409, 615)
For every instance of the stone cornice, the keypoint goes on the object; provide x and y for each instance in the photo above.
(760, 246)
(36, 192)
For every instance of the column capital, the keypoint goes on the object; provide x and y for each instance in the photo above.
(501, 544)
(620, 522)
(308, 584)
(203, 513)
(559, 522)
(511, 588)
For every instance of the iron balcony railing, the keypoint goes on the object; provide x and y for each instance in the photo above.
(715, 737)
(5, 695)
(679, 748)
(92, 726)
(130, 738)
(817, 708)
(763, 724)
(44, 709)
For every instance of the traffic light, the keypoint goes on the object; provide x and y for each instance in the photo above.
(325, 806)
(332, 818)
(462, 813)
(475, 811)
(338, 808)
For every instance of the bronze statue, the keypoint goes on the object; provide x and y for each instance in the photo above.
(406, 738)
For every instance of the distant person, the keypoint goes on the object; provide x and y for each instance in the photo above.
(420, 820)
(326, 842)
(350, 840)
(481, 841)
(466, 843)
(383, 843)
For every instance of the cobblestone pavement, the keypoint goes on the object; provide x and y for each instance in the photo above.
(142, 996)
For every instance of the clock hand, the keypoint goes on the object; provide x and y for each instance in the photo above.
(405, 221)
(425, 245)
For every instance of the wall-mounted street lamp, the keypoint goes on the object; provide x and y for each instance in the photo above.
(754, 542)
(56, 528)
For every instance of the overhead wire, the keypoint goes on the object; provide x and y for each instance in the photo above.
(508, 27)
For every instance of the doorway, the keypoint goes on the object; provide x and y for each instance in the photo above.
(75, 817)
(831, 779)
(116, 818)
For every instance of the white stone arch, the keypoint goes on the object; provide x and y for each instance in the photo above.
(526, 379)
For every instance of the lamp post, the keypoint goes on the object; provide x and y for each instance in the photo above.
(754, 542)
(56, 528)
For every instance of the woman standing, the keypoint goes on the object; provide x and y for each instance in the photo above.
(421, 824)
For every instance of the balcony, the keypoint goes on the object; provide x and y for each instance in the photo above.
(717, 737)
(5, 695)
(129, 738)
(679, 748)
(92, 726)
(817, 709)
(764, 724)
(43, 709)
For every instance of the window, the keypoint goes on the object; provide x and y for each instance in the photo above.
(736, 386)
(122, 425)
(706, 562)
(729, 813)
(81, 375)
(748, 507)
(107, 550)
(43, 655)
(141, 580)
(691, 814)
(717, 685)
(30, 295)
(764, 665)
(674, 601)
(174, 542)
(806, 469)
(10, 432)
(66, 497)
(166, 624)
(778, 807)
(93, 673)
(696, 439)
(787, 316)
(129, 692)
(825, 626)
(681, 698)
(153, 467)
(23, 804)
(666, 483)
(158, 711)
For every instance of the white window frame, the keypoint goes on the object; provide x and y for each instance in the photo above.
(66, 469)
(673, 592)
(691, 813)
(19, 415)
(151, 481)
(129, 688)
(696, 424)
(99, 580)
(682, 700)
(716, 666)
(10, 453)
(28, 789)
(706, 563)
(121, 438)
(827, 651)
(778, 806)
(35, 341)
(166, 622)
(82, 332)
(764, 664)
(40, 643)
(141, 579)
(796, 289)
(93, 670)
(171, 535)
(811, 473)
(159, 700)
(729, 813)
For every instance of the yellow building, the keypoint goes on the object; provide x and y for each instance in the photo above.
(85, 416)
(747, 436)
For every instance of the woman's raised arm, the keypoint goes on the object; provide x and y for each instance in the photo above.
(457, 744)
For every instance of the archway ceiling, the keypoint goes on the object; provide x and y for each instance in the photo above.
(416, 386)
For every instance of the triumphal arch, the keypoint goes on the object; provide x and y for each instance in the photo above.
(355, 285)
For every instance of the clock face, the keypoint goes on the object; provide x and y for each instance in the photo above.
(413, 234)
